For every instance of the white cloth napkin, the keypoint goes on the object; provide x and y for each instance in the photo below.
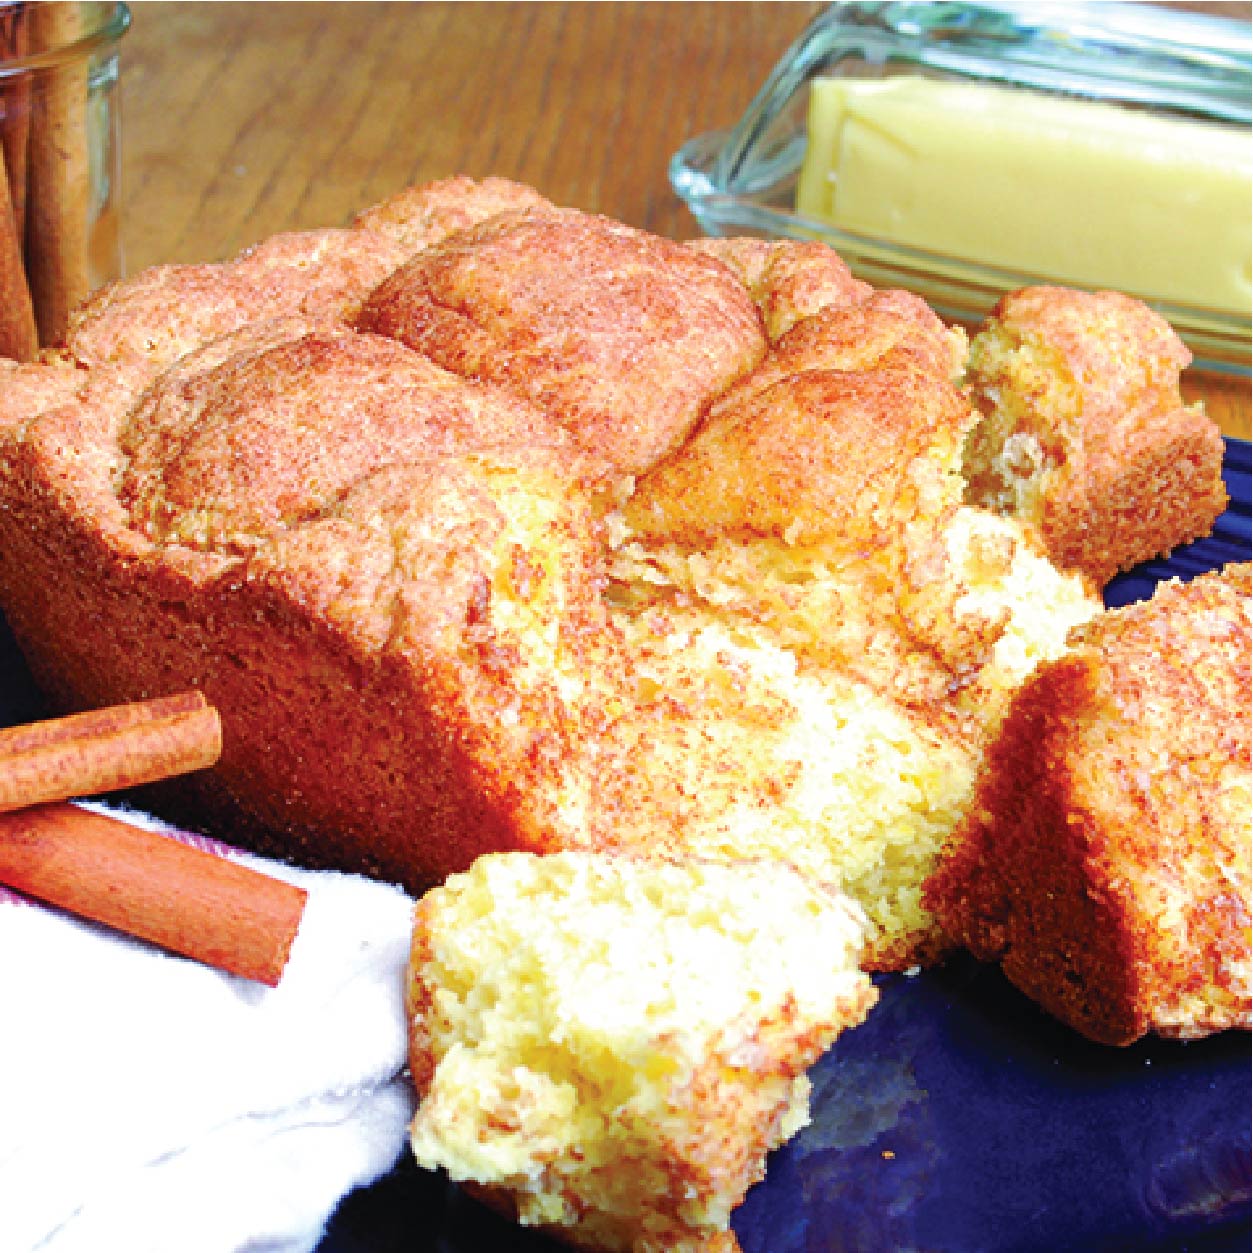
(150, 1104)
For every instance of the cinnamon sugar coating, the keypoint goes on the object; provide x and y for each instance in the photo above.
(820, 453)
(27, 390)
(623, 337)
(883, 329)
(271, 426)
(828, 436)
(150, 322)
(1105, 860)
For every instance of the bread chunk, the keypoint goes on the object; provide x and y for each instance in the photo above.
(789, 281)
(1083, 431)
(822, 498)
(1105, 859)
(610, 1047)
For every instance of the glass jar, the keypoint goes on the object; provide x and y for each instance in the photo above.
(59, 127)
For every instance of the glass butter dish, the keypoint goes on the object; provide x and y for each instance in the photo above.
(962, 150)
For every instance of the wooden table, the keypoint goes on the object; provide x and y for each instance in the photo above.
(240, 120)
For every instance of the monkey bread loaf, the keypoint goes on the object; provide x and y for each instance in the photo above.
(1105, 860)
(608, 1047)
(492, 525)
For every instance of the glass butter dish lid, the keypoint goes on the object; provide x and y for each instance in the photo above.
(964, 150)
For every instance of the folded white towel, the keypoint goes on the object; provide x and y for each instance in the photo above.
(148, 1103)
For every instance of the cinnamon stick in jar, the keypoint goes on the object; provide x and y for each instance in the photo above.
(58, 205)
(15, 93)
(18, 337)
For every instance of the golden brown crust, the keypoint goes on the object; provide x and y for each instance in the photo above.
(1105, 859)
(886, 328)
(305, 691)
(149, 322)
(324, 586)
(152, 320)
(1084, 431)
(274, 425)
(889, 330)
(27, 390)
(622, 336)
(829, 438)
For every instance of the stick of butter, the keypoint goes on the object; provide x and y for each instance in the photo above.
(1079, 192)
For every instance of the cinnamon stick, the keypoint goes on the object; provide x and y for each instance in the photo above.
(18, 337)
(107, 749)
(59, 193)
(15, 95)
(146, 884)
(188, 901)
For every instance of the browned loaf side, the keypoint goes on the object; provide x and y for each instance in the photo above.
(1105, 861)
(412, 503)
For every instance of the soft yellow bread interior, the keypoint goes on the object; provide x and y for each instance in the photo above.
(610, 1046)
(805, 568)
(733, 750)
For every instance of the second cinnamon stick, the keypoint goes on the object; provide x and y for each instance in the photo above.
(58, 204)
(153, 886)
(18, 337)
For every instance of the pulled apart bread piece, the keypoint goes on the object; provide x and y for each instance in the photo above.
(608, 1047)
(821, 498)
(488, 525)
(1105, 860)
(1083, 430)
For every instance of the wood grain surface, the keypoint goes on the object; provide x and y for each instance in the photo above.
(242, 119)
